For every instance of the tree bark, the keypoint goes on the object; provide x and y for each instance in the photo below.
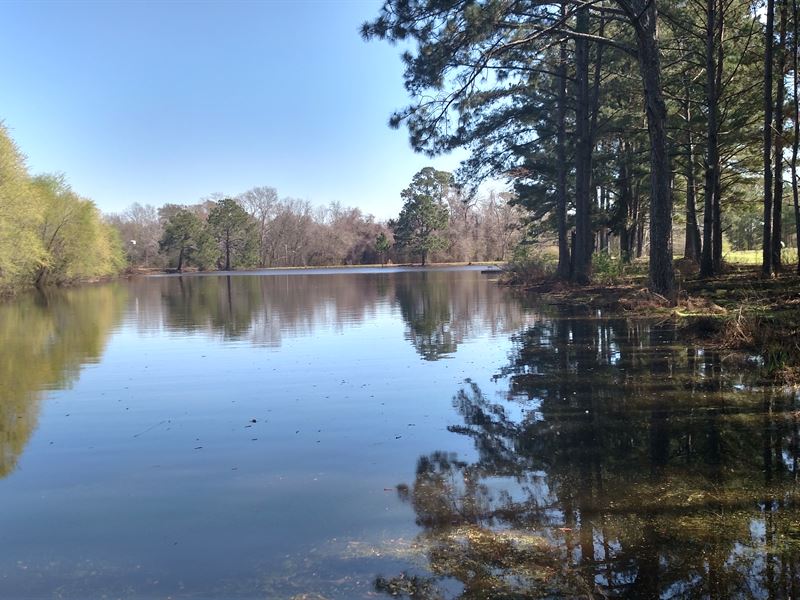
(227, 252)
(692, 247)
(766, 243)
(712, 142)
(662, 275)
(561, 149)
(582, 259)
(796, 113)
(718, 170)
(777, 194)
(624, 206)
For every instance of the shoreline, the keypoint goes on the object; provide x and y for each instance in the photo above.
(737, 312)
(250, 270)
(133, 273)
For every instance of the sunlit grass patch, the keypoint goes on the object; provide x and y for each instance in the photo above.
(754, 257)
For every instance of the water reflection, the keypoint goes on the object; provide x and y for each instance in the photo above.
(441, 309)
(194, 458)
(47, 338)
(616, 463)
(605, 458)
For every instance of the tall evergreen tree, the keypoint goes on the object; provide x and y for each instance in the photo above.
(189, 236)
(235, 232)
(424, 215)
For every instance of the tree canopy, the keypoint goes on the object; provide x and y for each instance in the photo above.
(602, 114)
(48, 233)
(423, 217)
(235, 233)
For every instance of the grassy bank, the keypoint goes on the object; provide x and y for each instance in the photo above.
(738, 311)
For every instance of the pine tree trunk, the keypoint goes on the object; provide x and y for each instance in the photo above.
(692, 247)
(624, 208)
(561, 144)
(227, 252)
(662, 275)
(796, 113)
(712, 143)
(602, 242)
(583, 157)
(766, 242)
(718, 169)
(639, 233)
(777, 194)
(717, 250)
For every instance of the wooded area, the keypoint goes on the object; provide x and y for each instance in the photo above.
(607, 114)
(259, 229)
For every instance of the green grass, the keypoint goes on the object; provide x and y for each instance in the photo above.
(753, 257)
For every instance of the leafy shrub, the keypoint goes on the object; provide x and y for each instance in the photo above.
(529, 265)
(606, 268)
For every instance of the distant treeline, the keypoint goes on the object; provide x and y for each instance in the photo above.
(259, 229)
(48, 233)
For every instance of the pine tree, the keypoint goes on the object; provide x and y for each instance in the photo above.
(423, 216)
(235, 232)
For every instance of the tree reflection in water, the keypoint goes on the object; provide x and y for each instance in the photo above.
(47, 338)
(441, 309)
(617, 463)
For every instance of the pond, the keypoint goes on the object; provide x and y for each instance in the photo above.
(381, 433)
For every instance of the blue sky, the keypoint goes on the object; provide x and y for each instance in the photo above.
(156, 102)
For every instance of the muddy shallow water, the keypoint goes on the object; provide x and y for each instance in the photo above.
(405, 433)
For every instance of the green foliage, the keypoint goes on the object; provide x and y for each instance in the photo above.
(188, 239)
(77, 242)
(235, 233)
(423, 216)
(21, 251)
(382, 246)
(382, 243)
(606, 268)
(48, 233)
(530, 266)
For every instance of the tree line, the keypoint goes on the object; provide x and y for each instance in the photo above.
(643, 121)
(259, 229)
(49, 234)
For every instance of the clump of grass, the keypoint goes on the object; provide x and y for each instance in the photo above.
(607, 268)
(529, 266)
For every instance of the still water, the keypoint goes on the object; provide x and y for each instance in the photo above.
(381, 433)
